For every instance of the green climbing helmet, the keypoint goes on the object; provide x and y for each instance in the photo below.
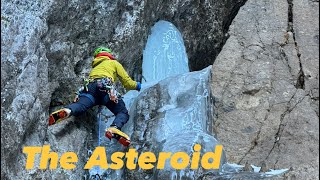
(101, 49)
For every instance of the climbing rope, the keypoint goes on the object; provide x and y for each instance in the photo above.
(97, 176)
(99, 118)
(99, 125)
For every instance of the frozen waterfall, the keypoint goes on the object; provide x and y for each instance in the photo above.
(165, 54)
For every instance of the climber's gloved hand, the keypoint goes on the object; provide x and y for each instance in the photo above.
(138, 86)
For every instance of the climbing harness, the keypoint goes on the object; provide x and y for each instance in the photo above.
(113, 94)
(104, 84)
(85, 84)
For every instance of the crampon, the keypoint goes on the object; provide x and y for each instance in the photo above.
(57, 116)
(115, 133)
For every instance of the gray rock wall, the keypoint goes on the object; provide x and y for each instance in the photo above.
(47, 46)
(25, 94)
(266, 84)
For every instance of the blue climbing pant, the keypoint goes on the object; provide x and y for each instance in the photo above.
(94, 96)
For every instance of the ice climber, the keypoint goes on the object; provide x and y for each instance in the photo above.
(99, 90)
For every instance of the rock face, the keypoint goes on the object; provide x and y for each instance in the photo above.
(47, 46)
(266, 84)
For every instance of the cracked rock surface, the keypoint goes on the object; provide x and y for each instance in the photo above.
(266, 84)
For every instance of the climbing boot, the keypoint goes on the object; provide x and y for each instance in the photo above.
(114, 132)
(58, 116)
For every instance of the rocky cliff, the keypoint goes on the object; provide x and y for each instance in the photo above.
(265, 79)
(266, 84)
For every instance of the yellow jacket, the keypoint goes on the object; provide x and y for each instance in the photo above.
(103, 66)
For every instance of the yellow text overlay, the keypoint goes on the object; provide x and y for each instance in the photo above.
(146, 160)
